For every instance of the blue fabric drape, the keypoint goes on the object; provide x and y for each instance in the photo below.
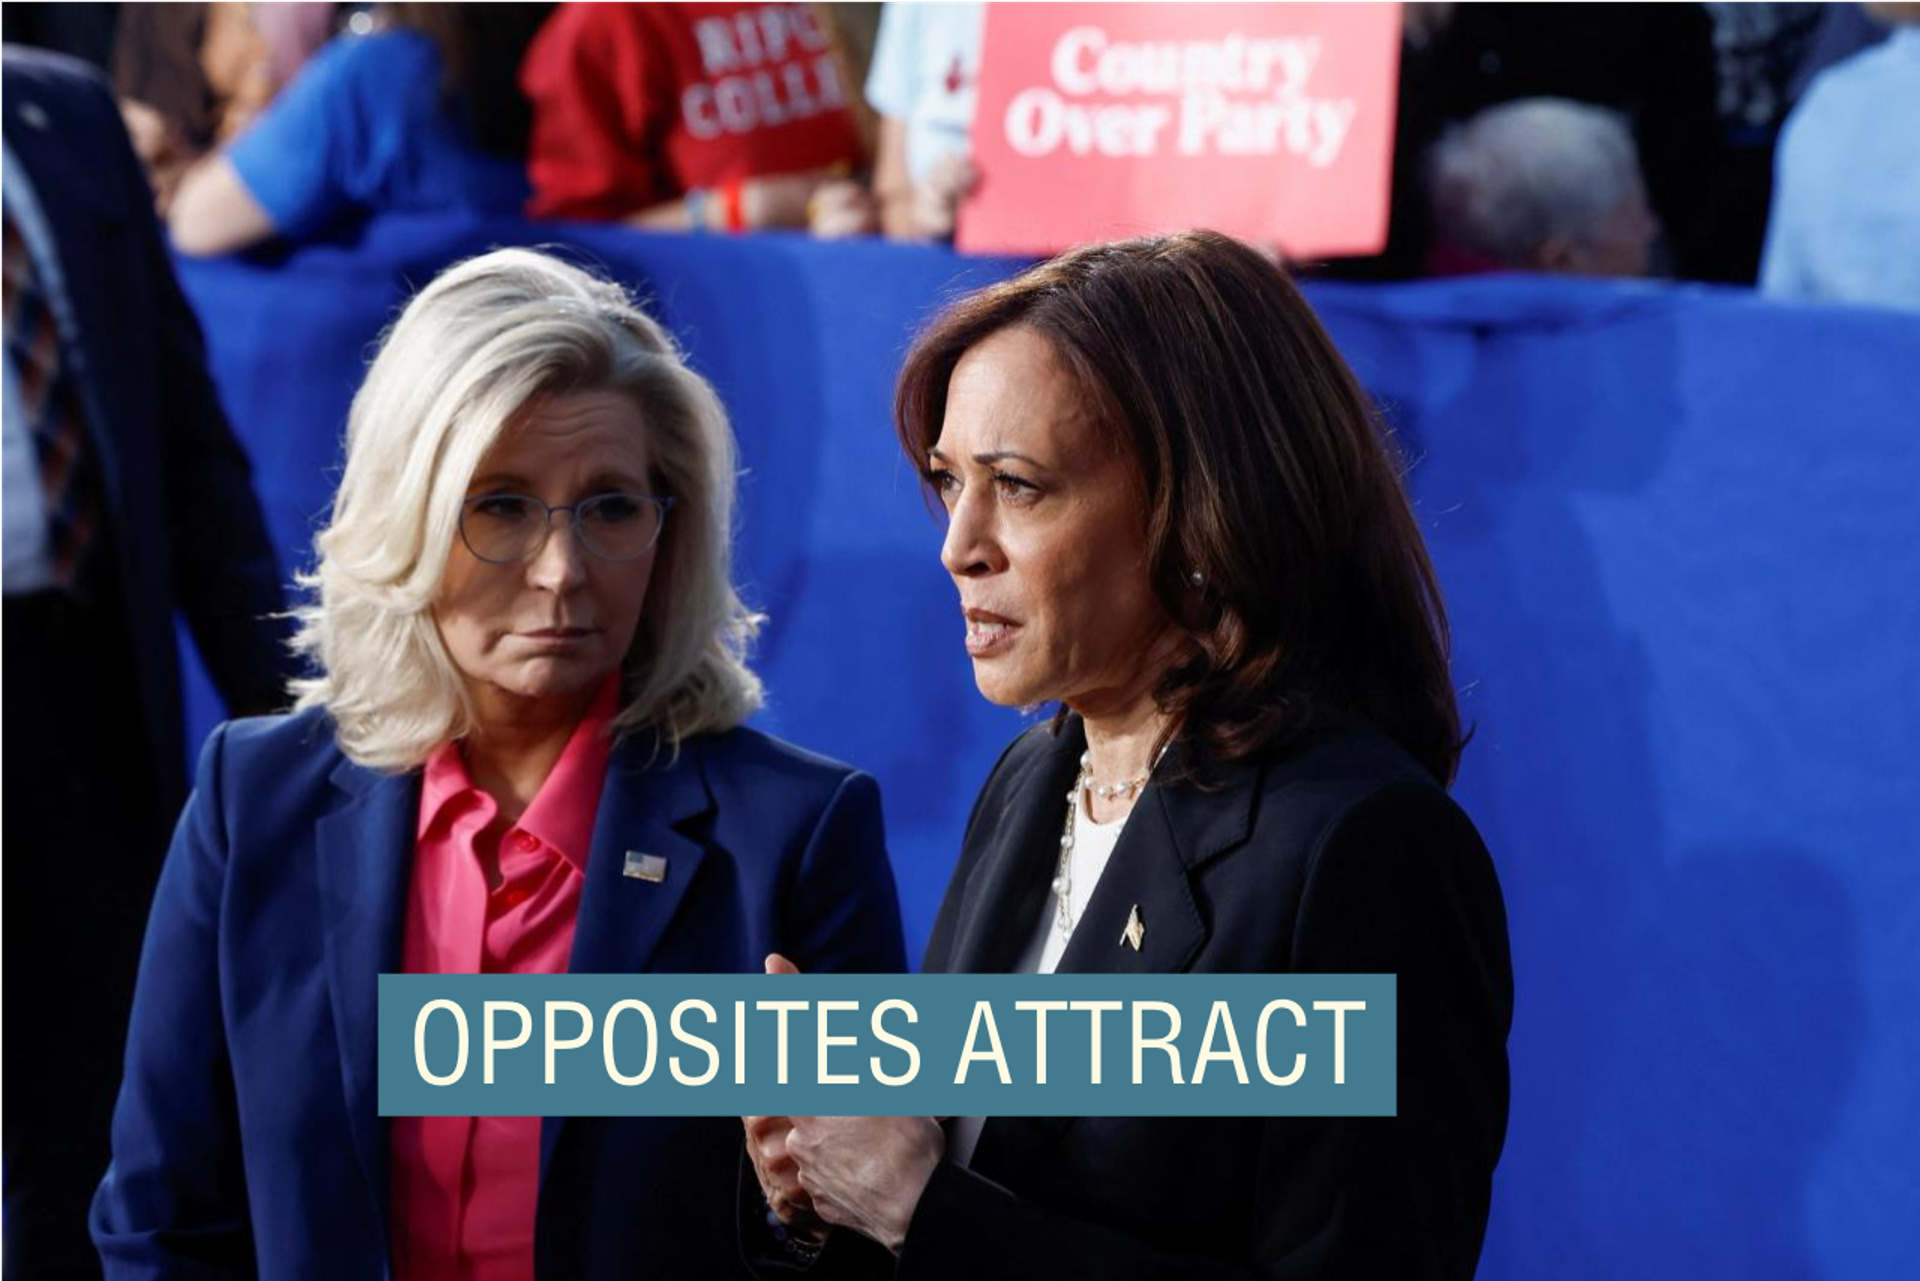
(1676, 532)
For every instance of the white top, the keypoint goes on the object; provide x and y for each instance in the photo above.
(1092, 846)
(926, 67)
(1845, 225)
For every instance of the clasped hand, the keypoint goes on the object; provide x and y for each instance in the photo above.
(861, 1172)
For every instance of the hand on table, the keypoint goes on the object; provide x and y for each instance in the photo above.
(840, 209)
(937, 198)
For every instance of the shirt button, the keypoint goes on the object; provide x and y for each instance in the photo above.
(525, 842)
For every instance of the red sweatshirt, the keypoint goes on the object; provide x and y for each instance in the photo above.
(634, 104)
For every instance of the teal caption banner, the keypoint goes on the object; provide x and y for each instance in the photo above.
(888, 1045)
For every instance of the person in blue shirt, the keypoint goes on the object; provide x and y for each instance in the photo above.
(1847, 180)
(422, 115)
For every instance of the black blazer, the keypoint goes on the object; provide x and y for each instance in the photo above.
(184, 527)
(1342, 857)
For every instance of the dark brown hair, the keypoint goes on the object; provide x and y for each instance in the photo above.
(481, 47)
(1263, 471)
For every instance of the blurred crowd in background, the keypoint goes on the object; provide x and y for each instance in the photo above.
(1733, 143)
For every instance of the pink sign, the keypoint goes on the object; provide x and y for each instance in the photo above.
(1270, 122)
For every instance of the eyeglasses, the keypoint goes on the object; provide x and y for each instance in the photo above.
(506, 529)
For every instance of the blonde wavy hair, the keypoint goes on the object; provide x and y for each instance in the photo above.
(472, 350)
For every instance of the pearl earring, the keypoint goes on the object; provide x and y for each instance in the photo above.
(1196, 578)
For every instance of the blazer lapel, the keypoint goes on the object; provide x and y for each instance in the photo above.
(1172, 831)
(1007, 889)
(644, 810)
(365, 849)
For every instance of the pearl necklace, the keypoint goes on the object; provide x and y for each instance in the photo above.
(1063, 878)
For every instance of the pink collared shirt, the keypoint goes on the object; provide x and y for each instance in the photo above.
(465, 1188)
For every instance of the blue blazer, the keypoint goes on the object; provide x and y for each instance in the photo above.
(246, 1141)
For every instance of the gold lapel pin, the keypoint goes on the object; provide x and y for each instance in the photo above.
(1136, 931)
(645, 867)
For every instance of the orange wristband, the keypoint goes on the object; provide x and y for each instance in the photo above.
(736, 220)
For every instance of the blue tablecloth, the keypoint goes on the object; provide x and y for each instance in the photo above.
(1677, 537)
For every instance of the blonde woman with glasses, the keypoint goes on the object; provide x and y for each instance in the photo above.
(520, 751)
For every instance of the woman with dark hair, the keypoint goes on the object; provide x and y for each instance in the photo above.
(424, 114)
(1169, 511)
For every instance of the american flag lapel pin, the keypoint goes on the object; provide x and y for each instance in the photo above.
(650, 868)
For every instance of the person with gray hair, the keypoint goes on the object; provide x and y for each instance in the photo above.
(1541, 184)
(520, 752)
